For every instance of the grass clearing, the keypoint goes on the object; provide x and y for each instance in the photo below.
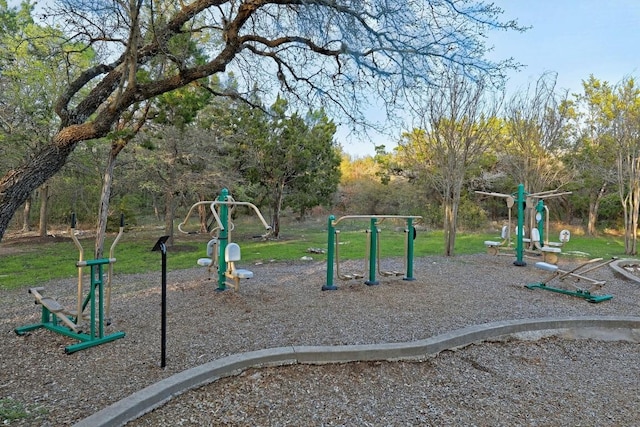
(31, 264)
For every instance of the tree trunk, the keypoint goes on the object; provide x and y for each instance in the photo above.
(450, 219)
(44, 203)
(169, 214)
(594, 205)
(26, 215)
(635, 209)
(17, 185)
(204, 215)
(105, 196)
(277, 208)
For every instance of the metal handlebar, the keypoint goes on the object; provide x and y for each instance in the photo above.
(212, 206)
(335, 222)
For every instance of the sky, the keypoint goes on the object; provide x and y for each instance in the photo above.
(573, 38)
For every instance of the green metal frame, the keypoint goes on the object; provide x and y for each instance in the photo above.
(580, 293)
(372, 249)
(95, 300)
(221, 207)
(520, 199)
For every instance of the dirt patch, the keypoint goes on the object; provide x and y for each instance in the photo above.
(27, 242)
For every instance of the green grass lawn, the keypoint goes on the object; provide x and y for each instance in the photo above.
(34, 264)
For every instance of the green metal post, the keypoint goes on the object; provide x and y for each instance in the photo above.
(223, 237)
(331, 245)
(373, 249)
(100, 277)
(410, 237)
(520, 243)
(540, 210)
(92, 304)
(96, 312)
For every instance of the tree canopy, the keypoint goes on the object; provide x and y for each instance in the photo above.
(332, 54)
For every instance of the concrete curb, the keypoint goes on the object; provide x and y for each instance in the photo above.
(155, 395)
(617, 267)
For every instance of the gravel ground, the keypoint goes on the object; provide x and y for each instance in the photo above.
(551, 381)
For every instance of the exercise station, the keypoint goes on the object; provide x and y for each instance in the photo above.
(222, 252)
(532, 229)
(372, 251)
(75, 322)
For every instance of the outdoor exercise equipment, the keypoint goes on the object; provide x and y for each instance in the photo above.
(576, 276)
(69, 322)
(372, 253)
(221, 252)
(533, 202)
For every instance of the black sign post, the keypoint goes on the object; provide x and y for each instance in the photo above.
(160, 246)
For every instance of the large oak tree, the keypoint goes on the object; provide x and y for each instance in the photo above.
(324, 53)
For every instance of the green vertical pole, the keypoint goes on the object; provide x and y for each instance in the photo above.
(223, 236)
(92, 302)
(410, 237)
(331, 246)
(520, 243)
(540, 210)
(99, 281)
(373, 249)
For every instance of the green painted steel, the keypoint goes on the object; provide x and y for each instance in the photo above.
(411, 235)
(520, 200)
(221, 208)
(331, 236)
(95, 300)
(540, 215)
(584, 294)
(223, 239)
(373, 250)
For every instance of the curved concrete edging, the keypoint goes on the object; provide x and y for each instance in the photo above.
(615, 265)
(155, 395)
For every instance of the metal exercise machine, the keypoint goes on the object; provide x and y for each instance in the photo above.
(222, 253)
(70, 322)
(576, 277)
(372, 252)
(538, 224)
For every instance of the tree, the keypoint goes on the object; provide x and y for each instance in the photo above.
(319, 182)
(593, 155)
(626, 132)
(458, 124)
(175, 143)
(30, 78)
(536, 125)
(291, 161)
(318, 52)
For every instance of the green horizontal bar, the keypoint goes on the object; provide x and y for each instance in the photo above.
(580, 294)
(93, 342)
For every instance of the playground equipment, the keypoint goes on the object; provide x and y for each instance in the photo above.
(222, 254)
(372, 253)
(61, 320)
(538, 224)
(577, 276)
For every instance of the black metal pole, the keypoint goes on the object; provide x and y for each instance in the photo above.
(161, 246)
(163, 345)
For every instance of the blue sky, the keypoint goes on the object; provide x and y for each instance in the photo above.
(574, 38)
